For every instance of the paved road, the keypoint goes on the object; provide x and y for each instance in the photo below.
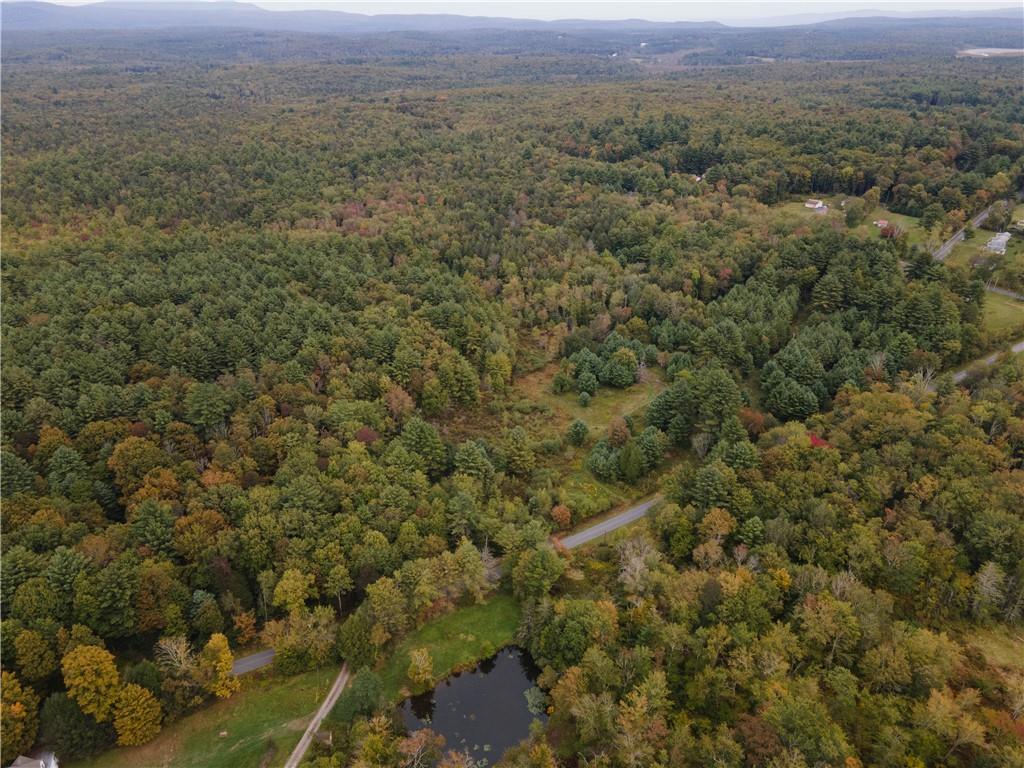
(986, 361)
(944, 250)
(613, 523)
(1005, 292)
(252, 662)
(314, 725)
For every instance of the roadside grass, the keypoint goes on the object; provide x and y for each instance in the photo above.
(455, 641)
(1005, 270)
(587, 496)
(967, 253)
(1002, 313)
(263, 721)
(1009, 270)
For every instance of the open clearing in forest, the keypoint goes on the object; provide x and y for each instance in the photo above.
(1003, 313)
(265, 710)
(910, 225)
(1003, 646)
(583, 493)
(605, 405)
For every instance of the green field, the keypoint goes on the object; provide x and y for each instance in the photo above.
(455, 641)
(909, 224)
(1003, 313)
(263, 722)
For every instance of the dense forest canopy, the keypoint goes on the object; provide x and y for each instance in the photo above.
(273, 304)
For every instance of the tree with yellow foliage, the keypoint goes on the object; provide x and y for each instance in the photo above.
(215, 663)
(92, 680)
(19, 712)
(421, 666)
(137, 716)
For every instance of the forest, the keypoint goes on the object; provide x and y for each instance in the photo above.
(309, 345)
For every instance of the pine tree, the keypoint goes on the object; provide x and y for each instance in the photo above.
(421, 440)
(577, 433)
(519, 454)
(631, 462)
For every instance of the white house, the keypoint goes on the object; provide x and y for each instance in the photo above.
(814, 204)
(998, 243)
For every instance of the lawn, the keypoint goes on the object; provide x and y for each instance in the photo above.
(263, 721)
(455, 641)
(1003, 313)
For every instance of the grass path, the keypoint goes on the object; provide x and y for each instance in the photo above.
(267, 711)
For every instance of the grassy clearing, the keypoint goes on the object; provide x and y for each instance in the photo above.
(1003, 313)
(455, 641)
(585, 495)
(1003, 646)
(605, 405)
(797, 208)
(910, 225)
(267, 710)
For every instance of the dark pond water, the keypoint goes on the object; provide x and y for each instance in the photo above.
(484, 710)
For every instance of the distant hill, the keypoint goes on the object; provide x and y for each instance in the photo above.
(39, 16)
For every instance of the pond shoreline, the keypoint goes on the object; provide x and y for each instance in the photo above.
(485, 709)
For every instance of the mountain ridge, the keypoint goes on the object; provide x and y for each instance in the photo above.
(32, 15)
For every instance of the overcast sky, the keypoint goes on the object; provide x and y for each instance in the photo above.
(729, 11)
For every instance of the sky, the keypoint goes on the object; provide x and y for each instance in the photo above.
(727, 11)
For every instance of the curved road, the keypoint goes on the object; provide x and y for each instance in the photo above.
(986, 361)
(946, 248)
(264, 658)
(1005, 292)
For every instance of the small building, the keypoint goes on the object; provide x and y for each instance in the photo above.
(998, 243)
(39, 760)
(815, 204)
(881, 223)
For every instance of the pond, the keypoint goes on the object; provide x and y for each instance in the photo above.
(484, 710)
